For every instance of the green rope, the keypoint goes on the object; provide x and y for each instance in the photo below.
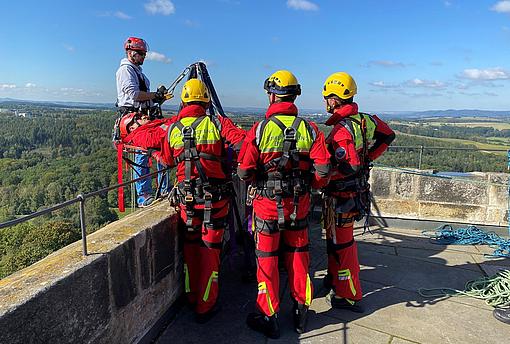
(495, 290)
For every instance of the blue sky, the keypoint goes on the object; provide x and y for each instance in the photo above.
(404, 54)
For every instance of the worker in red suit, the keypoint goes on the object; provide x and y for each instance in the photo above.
(283, 155)
(355, 141)
(138, 130)
(196, 144)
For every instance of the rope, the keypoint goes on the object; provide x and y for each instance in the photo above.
(495, 290)
(471, 235)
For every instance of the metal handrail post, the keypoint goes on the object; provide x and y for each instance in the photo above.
(421, 157)
(82, 223)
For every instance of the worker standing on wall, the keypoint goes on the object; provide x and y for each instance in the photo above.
(133, 95)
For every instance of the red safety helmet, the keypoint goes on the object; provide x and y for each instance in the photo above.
(134, 43)
(125, 123)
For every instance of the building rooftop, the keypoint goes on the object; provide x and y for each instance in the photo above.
(395, 264)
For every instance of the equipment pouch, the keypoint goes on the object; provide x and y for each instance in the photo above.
(345, 205)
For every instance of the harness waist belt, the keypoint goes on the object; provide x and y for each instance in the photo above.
(271, 226)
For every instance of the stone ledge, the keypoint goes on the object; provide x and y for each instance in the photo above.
(131, 276)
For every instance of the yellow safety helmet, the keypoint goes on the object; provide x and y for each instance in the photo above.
(194, 90)
(341, 85)
(282, 83)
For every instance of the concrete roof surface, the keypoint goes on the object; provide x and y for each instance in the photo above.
(395, 263)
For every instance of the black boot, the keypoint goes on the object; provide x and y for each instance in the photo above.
(502, 314)
(202, 318)
(299, 312)
(327, 282)
(343, 303)
(262, 323)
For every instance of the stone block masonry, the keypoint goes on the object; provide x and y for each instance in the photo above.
(481, 198)
(132, 275)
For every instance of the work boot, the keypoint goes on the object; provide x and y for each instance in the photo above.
(502, 314)
(202, 318)
(299, 312)
(344, 303)
(262, 323)
(327, 281)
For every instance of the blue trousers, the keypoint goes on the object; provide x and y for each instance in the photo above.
(144, 186)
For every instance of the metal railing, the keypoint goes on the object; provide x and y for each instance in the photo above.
(80, 198)
(423, 148)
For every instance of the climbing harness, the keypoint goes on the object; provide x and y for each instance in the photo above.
(200, 190)
(354, 193)
(282, 182)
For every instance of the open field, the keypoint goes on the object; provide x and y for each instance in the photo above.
(495, 125)
(478, 145)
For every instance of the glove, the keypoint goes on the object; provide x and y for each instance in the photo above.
(160, 94)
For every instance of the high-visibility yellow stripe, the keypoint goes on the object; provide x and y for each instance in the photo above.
(214, 275)
(370, 129)
(308, 297)
(272, 138)
(186, 279)
(263, 289)
(346, 275)
(205, 133)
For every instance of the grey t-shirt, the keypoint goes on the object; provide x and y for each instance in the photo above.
(128, 85)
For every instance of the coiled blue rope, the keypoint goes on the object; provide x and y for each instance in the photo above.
(471, 235)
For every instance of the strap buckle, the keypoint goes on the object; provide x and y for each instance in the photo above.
(290, 134)
(187, 132)
(188, 198)
(251, 193)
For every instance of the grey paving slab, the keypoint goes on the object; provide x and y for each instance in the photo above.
(446, 257)
(395, 264)
(328, 330)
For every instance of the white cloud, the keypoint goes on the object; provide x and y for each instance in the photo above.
(155, 56)
(385, 63)
(382, 84)
(116, 14)
(164, 7)
(426, 83)
(122, 15)
(30, 85)
(501, 7)
(191, 23)
(447, 3)
(69, 48)
(497, 73)
(304, 5)
(7, 86)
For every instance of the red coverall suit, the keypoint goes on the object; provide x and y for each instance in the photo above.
(152, 136)
(267, 239)
(343, 265)
(202, 243)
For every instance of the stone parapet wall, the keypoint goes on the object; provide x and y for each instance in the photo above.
(481, 198)
(131, 276)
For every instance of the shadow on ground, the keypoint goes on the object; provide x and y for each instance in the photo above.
(395, 264)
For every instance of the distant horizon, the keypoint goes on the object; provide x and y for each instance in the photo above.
(405, 55)
(318, 111)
